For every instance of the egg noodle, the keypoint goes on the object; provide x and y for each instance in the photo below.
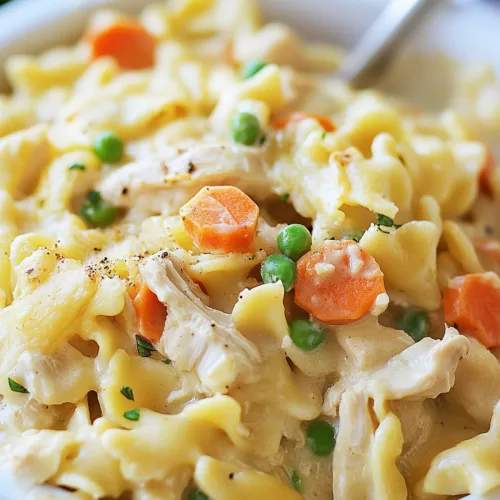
(167, 333)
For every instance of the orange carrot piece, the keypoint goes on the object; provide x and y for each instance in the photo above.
(338, 283)
(221, 219)
(485, 174)
(471, 304)
(151, 313)
(324, 121)
(127, 41)
(488, 247)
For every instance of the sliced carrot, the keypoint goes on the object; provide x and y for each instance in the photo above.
(151, 313)
(471, 304)
(324, 121)
(488, 247)
(485, 174)
(338, 283)
(221, 219)
(127, 41)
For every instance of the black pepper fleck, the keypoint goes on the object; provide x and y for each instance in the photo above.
(231, 475)
(191, 167)
(124, 191)
(488, 229)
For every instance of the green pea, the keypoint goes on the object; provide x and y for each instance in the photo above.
(252, 68)
(108, 147)
(415, 323)
(320, 437)
(245, 128)
(305, 335)
(96, 211)
(197, 494)
(278, 267)
(294, 241)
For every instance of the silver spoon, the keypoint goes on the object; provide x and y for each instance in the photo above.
(365, 62)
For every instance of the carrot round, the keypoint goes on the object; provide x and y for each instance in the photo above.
(127, 41)
(151, 313)
(471, 304)
(324, 121)
(485, 174)
(221, 219)
(338, 283)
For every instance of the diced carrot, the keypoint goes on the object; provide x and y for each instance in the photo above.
(471, 304)
(324, 121)
(127, 41)
(221, 219)
(488, 247)
(338, 283)
(151, 313)
(485, 174)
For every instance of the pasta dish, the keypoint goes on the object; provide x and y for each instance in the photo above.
(225, 274)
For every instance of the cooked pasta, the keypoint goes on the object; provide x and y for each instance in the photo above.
(226, 275)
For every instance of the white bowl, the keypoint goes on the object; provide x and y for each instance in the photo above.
(463, 29)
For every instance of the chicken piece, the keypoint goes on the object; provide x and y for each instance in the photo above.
(165, 182)
(477, 384)
(424, 370)
(63, 376)
(368, 443)
(197, 337)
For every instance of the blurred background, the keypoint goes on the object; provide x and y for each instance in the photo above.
(465, 30)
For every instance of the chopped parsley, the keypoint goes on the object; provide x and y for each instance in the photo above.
(166, 361)
(295, 480)
(384, 221)
(253, 256)
(323, 135)
(77, 166)
(284, 197)
(15, 387)
(262, 140)
(127, 392)
(144, 348)
(132, 414)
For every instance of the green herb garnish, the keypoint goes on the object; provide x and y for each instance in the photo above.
(127, 392)
(144, 348)
(295, 480)
(384, 221)
(14, 386)
(132, 414)
(354, 236)
(166, 361)
(77, 166)
(284, 197)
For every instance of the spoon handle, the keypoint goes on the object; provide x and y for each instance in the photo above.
(391, 27)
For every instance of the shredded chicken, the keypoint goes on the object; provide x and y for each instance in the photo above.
(165, 182)
(351, 470)
(477, 385)
(424, 370)
(368, 442)
(195, 336)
